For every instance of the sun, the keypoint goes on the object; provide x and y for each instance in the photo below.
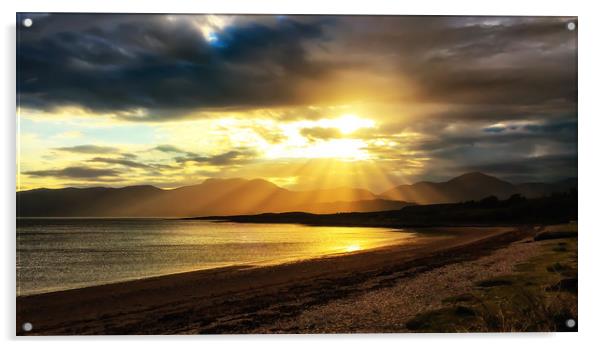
(350, 123)
(342, 145)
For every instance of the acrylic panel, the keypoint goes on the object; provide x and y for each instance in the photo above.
(234, 174)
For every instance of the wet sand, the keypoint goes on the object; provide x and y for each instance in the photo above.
(250, 299)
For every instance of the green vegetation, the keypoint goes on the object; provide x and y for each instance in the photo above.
(539, 296)
(439, 320)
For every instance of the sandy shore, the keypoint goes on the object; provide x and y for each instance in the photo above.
(388, 309)
(252, 299)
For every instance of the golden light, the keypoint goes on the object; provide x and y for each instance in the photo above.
(343, 149)
(350, 123)
(353, 248)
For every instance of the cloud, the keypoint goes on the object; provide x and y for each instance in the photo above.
(476, 91)
(121, 63)
(321, 133)
(269, 134)
(166, 148)
(440, 134)
(159, 67)
(129, 155)
(470, 60)
(89, 149)
(553, 128)
(494, 129)
(530, 169)
(227, 158)
(75, 172)
(170, 149)
(122, 162)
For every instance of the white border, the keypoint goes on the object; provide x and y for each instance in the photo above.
(590, 57)
(508, 7)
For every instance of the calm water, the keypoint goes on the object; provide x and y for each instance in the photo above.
(55, 254)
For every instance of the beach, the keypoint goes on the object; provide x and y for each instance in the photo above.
(249, 299)
(292, 174)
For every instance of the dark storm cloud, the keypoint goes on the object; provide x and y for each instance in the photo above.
(562, 132)
(506, 86)
(122, 63)
(479, 112)
(554, 128)
(530, 169)
(478, 60)
(75, 172)
(516, 86)
(494, 129)
(89, 149)
(166, 67)
(541, 150)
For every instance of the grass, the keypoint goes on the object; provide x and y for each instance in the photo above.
(540, 295)
(438, 320)
(500, 281)
(466, 297)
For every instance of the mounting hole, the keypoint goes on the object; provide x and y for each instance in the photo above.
(571, 26)
(27, 327)
(570, 323)
(27, 22)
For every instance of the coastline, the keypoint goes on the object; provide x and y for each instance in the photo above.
(206, 301)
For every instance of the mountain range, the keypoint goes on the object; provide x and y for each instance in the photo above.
(472, 186)
(237, 196)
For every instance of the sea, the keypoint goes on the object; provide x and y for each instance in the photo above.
(59, 254)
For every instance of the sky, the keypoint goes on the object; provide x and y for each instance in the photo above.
(302, 101)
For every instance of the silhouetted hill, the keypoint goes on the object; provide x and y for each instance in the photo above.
(236, 196)
(540, 189)
(516, 210)
(472, 186)
(212, 197)
(82, 202)
(353, 206)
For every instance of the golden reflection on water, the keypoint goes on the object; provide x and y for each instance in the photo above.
(62, 254)
(353, 248)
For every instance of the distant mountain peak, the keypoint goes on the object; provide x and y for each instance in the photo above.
(222, 180)
(469, 186)
(231, 196)
(218, 180)
(474, 176)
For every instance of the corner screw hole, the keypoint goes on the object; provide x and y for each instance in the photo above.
(570, 323)
(27, 327)
(571, 26)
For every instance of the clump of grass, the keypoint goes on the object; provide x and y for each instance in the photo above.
(541, 295)
(439, 320)
(466, 297)
(559, 268)
(566, 285)
(524, 311)
(501, 281)
(561, 247)
(557, 232)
